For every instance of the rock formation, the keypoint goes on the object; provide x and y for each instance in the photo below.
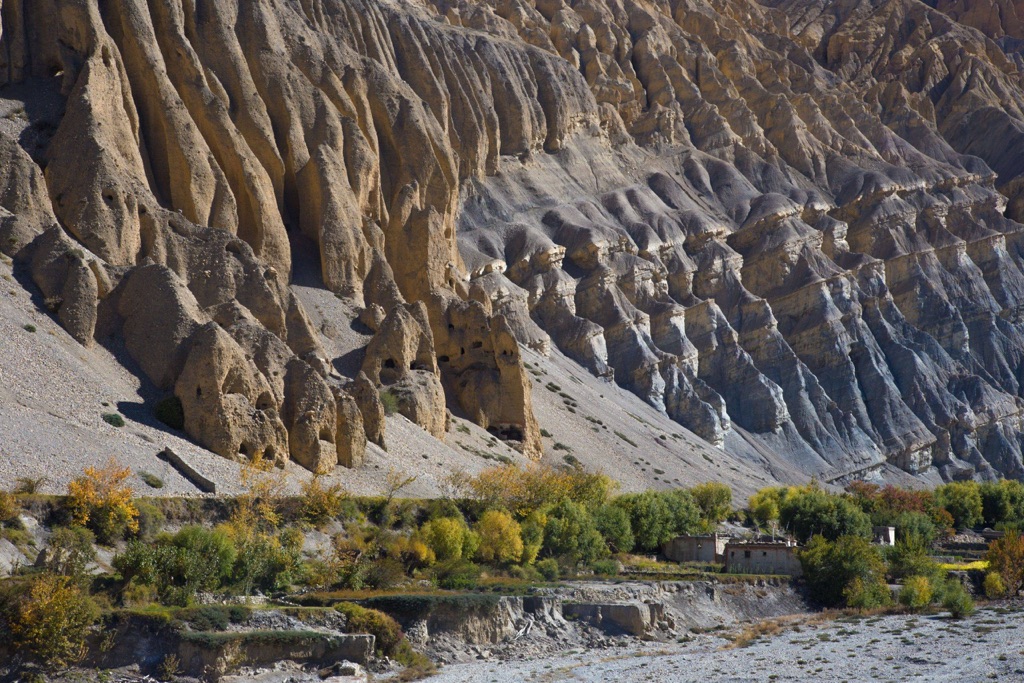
(792, 220)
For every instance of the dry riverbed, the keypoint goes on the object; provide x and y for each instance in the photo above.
(985, 646)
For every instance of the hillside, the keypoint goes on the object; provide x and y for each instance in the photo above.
(728, 240)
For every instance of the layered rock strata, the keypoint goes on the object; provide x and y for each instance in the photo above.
(791, 220)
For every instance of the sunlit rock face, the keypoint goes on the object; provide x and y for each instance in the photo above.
(792, 221)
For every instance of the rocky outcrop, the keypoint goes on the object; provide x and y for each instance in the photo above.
(790, 221)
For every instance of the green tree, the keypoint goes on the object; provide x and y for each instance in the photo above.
(613, 523)
(962, 500)
(830, 568)
(813, 512)
(1002, 502)
(570, 533)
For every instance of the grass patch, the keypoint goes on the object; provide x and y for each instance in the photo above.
(29, 328)
(390, 401)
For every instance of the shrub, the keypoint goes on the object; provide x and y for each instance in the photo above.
(613, 523)
(570, 533)
(909, 557)
(830, 568)
(152, 480)
(714, 500)
(861, 594)
(113, 419)
(1002, 501)
(548, 568)
(390, 401)
(993, 586)
(9, 507)
(170, 411)
(1006, 556)
(101, 500)
(501, 539)
(386, 631)
(70, 552)
(321, 504)
(384, 574)
(533, 535)
(916, 593)
(30, 485)
(962, 500)
(268, 562)
(957, 600)
(151, 520)
(605, 567)
(458, 575)
(446, 536)
(52, 620)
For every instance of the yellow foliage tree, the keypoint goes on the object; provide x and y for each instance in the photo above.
(52, 621)
(501, 540)
(102, 500)
(525, 490)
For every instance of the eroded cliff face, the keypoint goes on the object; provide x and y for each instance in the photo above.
(794, 220)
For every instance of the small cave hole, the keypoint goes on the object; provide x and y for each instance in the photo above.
(233, 247)
(462, 351)
(199, 391)
(389, 364)
(477, 344)
(244, 449)
(443, 359)
(451, 327)
(418, 365)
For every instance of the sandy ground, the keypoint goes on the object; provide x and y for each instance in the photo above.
(985, 646)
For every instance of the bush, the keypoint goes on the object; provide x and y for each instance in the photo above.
(522, 491)
(861, 594)
(962, 500)
(386, 631)
(993, 586)
(909, 557)
(605, 567)
(570, 533)
(1002, 501)
(321, 504)
(764, 505)
(30, 485)
(390, 401)
(446, 536)
(714, 500)
(102, 501)
(613, 523)
(192, 561)
(1006, 556)
(152, 480)
(70, 552)
(113, 419)
(957, 600)
(916, 593)
(384, 574)
(170, 411)
(548, 568)
(51, 621)
(151, 520)
(458, 575)
(267, 562)
(9, 507)
(830, 568)
(501, 539)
